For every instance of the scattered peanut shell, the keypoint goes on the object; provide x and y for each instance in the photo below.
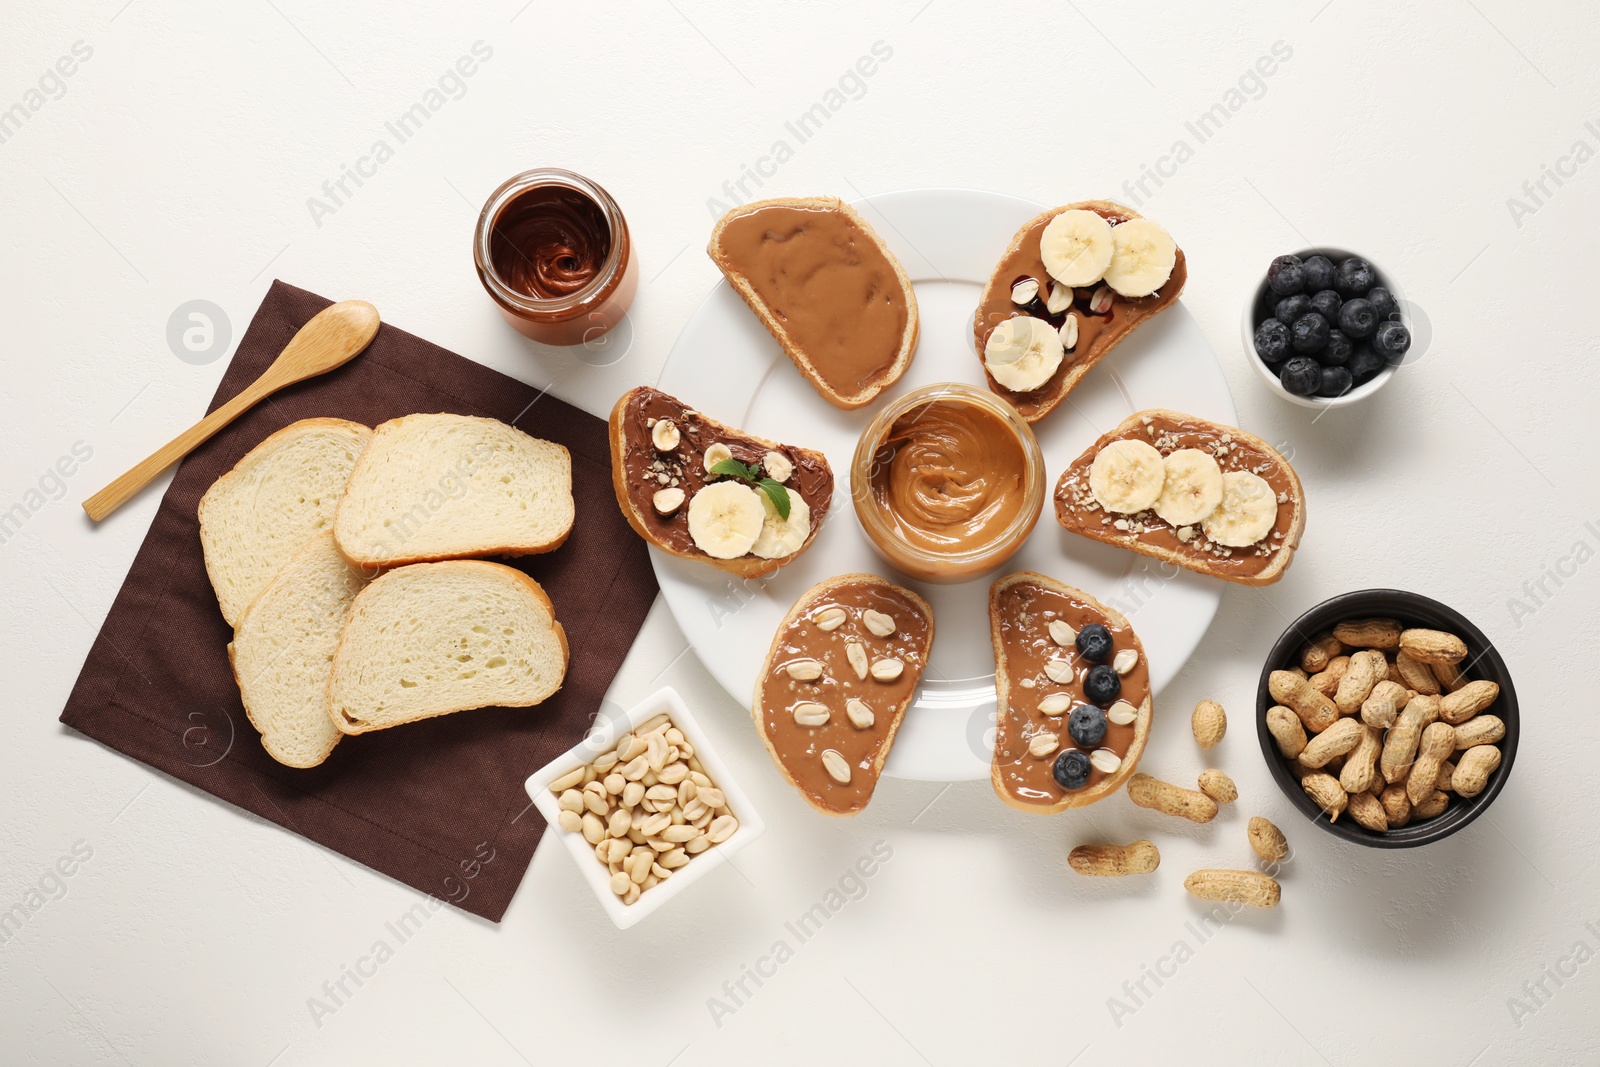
(1210, 722)
(1113, 861)
(1238, 887)
(1218, 786)
(1267, 840)
(1169, 799)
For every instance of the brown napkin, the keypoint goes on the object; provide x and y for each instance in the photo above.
(438, 804)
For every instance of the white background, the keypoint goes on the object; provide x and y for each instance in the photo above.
(177, 166)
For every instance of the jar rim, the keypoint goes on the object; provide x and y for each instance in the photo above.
(871, 515)
(544, 177)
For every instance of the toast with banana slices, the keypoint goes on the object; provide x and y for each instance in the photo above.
(826, 287)
(844, 666)
(1188, 491)
(1072, 284)
(1073, 695)
(704, 491)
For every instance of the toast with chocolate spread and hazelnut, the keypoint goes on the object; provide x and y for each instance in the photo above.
(1188, 491)
(1072, 686)
(699, 489)
(844, 666)
(826, 287)
(1072, 284)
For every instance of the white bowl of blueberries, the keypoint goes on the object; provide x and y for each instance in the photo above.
(1326, 328)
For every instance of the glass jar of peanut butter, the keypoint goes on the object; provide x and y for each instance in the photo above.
(553, 251)
(947, 481)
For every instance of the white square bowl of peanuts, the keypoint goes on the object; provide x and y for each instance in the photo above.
(607, 799)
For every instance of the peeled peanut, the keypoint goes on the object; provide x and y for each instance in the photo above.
(1438, 741)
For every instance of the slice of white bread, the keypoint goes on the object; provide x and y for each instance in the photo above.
(435, 638)
(440, 486)
(282, 652)
(280, 495)
(1234, 449)
(895, 364)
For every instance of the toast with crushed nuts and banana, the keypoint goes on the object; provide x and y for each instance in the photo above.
(1072, 689)
(826, 287)
(1072, 284)
(704, 491)
(844, 666)
(1188, 491)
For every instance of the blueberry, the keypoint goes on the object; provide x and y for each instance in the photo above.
(1071, 770)
(1094, 643)
(1309, 332)
(1272, 340)
(1338, 350)
(1101, 685)
(1286, 276)
(1087, 725)
(1336, 381)
(1391, 341)
(1358, 318)
(1383, 302)
(1364, 364)
(1354, 278)
(1301, 375)
(1327, 303)
(1319, 272)
(1291, 307)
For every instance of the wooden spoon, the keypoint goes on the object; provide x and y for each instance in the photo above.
(333, 337)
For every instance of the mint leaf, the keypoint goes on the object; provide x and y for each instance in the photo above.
(778, 495)
(732, 468)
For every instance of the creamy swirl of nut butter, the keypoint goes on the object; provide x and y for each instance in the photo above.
(949, 476)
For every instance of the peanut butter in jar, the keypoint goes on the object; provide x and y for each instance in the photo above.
(947, 482)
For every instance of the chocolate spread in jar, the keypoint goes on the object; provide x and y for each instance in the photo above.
(549, 242)
(1076, 508)
(797, 748)
(643, 465)
(1024, 611)
(1025, 262)
(949, 476)
(829, 284)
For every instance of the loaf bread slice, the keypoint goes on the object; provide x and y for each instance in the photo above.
(1019, 626)
(640, 469)
(282, 652)
(894, 363)
(1148, 535)
(281, 494)
(1021, 258)
(797, 744)
(434, 638)
(441, 486)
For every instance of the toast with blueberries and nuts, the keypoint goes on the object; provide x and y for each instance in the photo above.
(704, 491)
(1072, 686)
(1072, 284)
(1189, 491)
(844, 666)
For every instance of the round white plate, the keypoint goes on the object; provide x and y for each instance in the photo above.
(726, 364)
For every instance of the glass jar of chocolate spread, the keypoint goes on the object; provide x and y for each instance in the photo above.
(552, 250)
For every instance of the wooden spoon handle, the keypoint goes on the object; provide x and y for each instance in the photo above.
(148, 469)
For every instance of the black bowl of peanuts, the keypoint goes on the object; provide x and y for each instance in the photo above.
(1387, 718)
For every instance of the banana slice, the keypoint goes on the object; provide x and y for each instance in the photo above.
(782, 537)
(1022, 353)
(1247, 513)
(1076, 247)
(1142, 258)
(1193, 488)
(725, 518)
(1127, 476)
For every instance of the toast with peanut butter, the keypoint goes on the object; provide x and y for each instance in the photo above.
(1072, 284)
(844, 666)
(704, 491)
(1188, 491)
(826, 287)
(1073, 695)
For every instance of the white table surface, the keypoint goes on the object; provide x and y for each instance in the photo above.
(176, 165)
